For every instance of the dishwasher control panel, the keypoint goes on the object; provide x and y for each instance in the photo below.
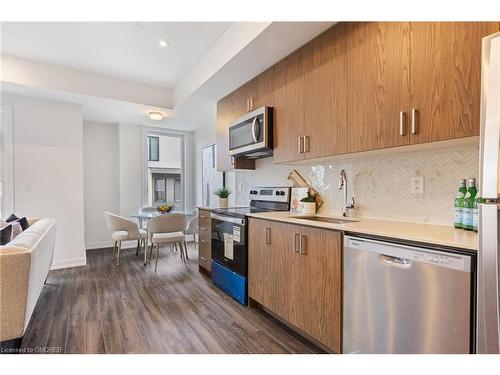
(410, 253)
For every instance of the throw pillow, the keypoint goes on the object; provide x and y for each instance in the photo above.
(24, 223)
(12, 217)
(5, 235)
(16, 229)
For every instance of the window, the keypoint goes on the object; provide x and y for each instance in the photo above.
(177, 190)
(153, 148)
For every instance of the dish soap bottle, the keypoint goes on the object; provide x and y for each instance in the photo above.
(459, 204)
(470, 196)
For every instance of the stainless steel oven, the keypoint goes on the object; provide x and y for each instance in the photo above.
(230, 238)
(229, 243)
(250, 136)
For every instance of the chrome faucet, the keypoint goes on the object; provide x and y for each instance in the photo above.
(343, 186)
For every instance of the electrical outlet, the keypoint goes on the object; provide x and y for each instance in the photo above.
(27, 187)
(417, 185)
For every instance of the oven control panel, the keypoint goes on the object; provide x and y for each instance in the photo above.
(271, 194)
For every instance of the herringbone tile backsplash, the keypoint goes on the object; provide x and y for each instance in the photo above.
(380, 184)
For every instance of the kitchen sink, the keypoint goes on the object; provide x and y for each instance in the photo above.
(325, 219)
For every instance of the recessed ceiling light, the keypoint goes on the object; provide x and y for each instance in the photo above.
(163, 43)
(156, 116)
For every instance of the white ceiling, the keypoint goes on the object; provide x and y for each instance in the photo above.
(127, 50)
(204, 61)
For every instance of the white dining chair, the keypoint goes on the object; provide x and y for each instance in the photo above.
(124, 230)
(192, 230)
(168, 229)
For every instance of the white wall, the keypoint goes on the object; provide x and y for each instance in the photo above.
(203, 137)
(101, 180)
(131, 168)
(48, 170)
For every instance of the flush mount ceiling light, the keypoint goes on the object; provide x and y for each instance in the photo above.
(156, 116)
(163, 43)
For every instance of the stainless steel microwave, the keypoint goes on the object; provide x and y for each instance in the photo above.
(251, 136)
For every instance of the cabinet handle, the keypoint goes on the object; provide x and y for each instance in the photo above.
(295, 237)
(414, 115)
(306, 143)
(203, 258)
(248, 105)
(401, 123)
(300, 144)
(203, 228)
(232, 160)
(268, 236)
(203, 241)
(303, 242)
(251, 104)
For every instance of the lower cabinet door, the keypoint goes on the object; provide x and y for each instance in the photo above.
(296, 273)
(319, 287)
(267, 266)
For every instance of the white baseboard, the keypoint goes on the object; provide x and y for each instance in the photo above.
(98, 245)
(106, 244)
(68, 263)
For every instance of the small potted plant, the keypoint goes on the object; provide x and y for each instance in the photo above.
(309, 204)
(223, 194)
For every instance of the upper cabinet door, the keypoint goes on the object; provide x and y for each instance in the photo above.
(446, 78)
(378, 58)
(288, 108)
(244, 98)
(265, 89)
(325, 88)
(227, 111)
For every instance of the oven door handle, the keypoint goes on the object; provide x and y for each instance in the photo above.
(228, 219)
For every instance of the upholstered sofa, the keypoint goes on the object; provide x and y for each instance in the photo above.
(24, 265)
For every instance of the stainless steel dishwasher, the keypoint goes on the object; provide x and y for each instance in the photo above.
(405, 299)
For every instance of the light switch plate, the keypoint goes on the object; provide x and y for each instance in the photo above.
(417, 185)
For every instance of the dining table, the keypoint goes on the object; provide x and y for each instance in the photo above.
(145, 216)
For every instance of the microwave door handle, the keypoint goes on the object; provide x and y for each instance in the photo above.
(255, 134)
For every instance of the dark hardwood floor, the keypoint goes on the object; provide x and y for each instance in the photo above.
(102, 308)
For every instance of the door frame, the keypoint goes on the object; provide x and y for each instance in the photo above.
(7, 142)
(166, 133)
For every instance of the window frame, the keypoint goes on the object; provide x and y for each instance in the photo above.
(149, 148)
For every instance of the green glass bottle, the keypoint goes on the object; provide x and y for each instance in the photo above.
(459, 204)
(470, 196)
(475, 217)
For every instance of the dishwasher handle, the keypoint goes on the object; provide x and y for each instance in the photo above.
(395, 261)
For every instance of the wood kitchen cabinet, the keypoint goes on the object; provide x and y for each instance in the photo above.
(363, 86)
(289, 108)
(296, 273)
(228, 109)
(204, 241)
(446, 79)
(268, 264)
(378, 84)
(325, 85)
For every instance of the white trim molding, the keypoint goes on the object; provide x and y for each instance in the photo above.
(7, 143)
(69, 263)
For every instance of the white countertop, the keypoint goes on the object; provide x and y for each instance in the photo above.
(443, 235)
